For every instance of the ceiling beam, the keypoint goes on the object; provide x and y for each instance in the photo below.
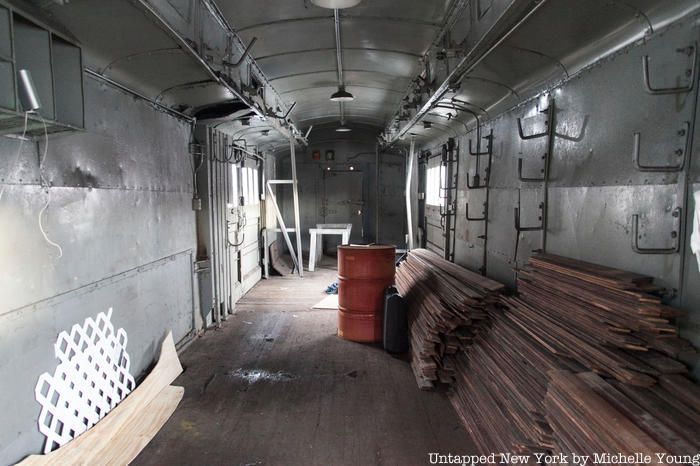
(363, 18)
(308, 73)
(332, 49)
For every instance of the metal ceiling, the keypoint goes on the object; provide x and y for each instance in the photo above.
(404, 61)
(382, 47)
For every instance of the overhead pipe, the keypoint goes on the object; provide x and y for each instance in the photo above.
(464, 67)
(338, 48)
(339, 62)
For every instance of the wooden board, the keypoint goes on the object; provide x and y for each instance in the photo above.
(329, 302)
(130, 417)
(281, 263)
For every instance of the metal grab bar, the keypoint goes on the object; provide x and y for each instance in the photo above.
(531, 136)
(476, 219)
(519, 228)
(523, 178)
(489, 148)
(674, 234)
(681, 152)
(581, 133)
(671, 90)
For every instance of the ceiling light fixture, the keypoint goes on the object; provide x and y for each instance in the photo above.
(341, 95)
(336, 4)
(343, 129)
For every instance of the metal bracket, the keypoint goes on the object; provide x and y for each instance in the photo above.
(671, 90)
(520, 228)
(246, 52)
(684, 131)
(523, 178)
(489, 148)
(534, 135)
(476, 219)
(282, 117)
(196, 149)
(477, 180)
(674, 234)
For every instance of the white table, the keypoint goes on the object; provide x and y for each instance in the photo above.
(316, 234)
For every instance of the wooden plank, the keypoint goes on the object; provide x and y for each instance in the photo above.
(682, 388)
(138, 431)
(593, 412)
(641, 417)
(129, 414)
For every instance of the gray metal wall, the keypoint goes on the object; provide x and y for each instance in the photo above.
(121, 211)
(594, 188)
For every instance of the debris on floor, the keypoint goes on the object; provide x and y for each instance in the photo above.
(332, 288)
(252, 376)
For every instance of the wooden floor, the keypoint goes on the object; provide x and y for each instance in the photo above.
(276, 386)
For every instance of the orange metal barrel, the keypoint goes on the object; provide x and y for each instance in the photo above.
(364, 272)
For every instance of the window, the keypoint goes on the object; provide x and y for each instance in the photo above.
(250, 186)
(434, 180)
(235, 196)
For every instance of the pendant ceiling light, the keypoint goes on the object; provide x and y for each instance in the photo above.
(341, 95)
(343, 129)
(336, 4)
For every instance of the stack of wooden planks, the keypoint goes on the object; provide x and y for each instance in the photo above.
(584, 360)
(447, 306)
(499, 389)
(603, 318)
(591, 415)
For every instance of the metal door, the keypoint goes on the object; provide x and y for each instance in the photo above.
(343, 202)
(232, 229)
(247, 246)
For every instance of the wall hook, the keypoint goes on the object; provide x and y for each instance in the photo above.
(476, 219)
(580, 135)
(519, 228)
(671, 90)
(674, 234)
(523, 178)
(680, 152)
(531, 136)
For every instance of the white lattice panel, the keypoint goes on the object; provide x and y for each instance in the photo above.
(91, 378)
